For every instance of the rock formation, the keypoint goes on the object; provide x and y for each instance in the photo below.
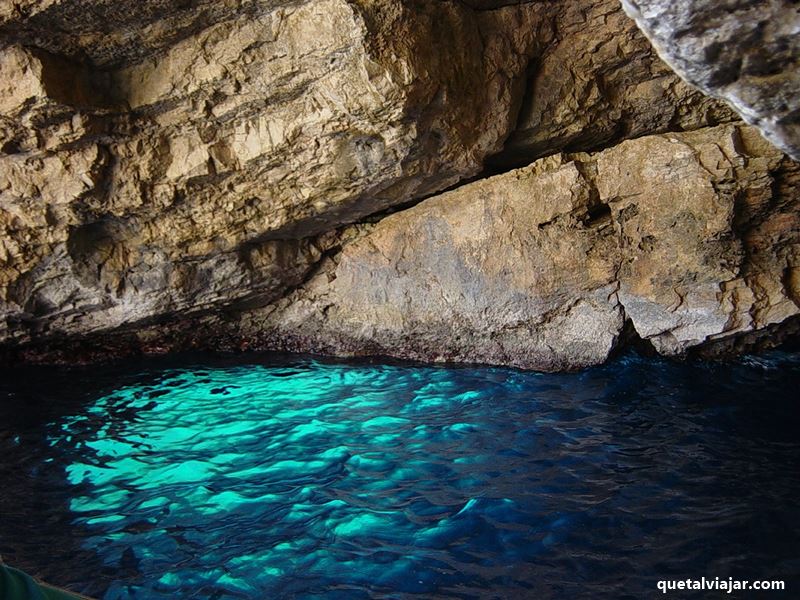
(541, 267)
(598, 82)
(746, 52)
(245, 174)
(202, 171)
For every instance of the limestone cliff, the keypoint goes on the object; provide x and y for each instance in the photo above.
(196, 177)
(249, 174)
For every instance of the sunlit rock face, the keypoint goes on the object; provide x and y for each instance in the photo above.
(744, 51)
(540, 267)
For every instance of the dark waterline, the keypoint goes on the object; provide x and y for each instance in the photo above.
(287, 477)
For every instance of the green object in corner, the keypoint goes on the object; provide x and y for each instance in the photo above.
(16, 585)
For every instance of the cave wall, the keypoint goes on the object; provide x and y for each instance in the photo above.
(743, 51)
(503, 182)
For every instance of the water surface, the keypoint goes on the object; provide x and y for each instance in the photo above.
(276, 477)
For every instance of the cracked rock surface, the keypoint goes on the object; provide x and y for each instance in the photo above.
(744, 51)
(598, 82)
(541, 267)
(248, 174)
(198, 177)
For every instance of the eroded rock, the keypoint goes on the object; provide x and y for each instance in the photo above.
(540, 267)
(140, 191)
(112, 33)
(744, 51)
(597, 82)
(210, 174)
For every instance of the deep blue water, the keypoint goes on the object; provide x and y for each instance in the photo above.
(281, 477)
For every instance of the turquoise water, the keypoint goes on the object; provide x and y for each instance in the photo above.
(294, 478)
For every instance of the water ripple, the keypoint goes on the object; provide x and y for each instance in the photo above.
(299, 478)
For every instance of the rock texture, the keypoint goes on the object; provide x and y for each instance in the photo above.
(598, 82)
(109, 33)
(219, 174)
(199, 176)
(541, 267)
(744, 51)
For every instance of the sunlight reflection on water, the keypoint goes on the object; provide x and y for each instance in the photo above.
(347, 481)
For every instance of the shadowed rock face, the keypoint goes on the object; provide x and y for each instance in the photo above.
(114, 33)
(219, 167)
(597, 83)
(744, 51)
(146, 190)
